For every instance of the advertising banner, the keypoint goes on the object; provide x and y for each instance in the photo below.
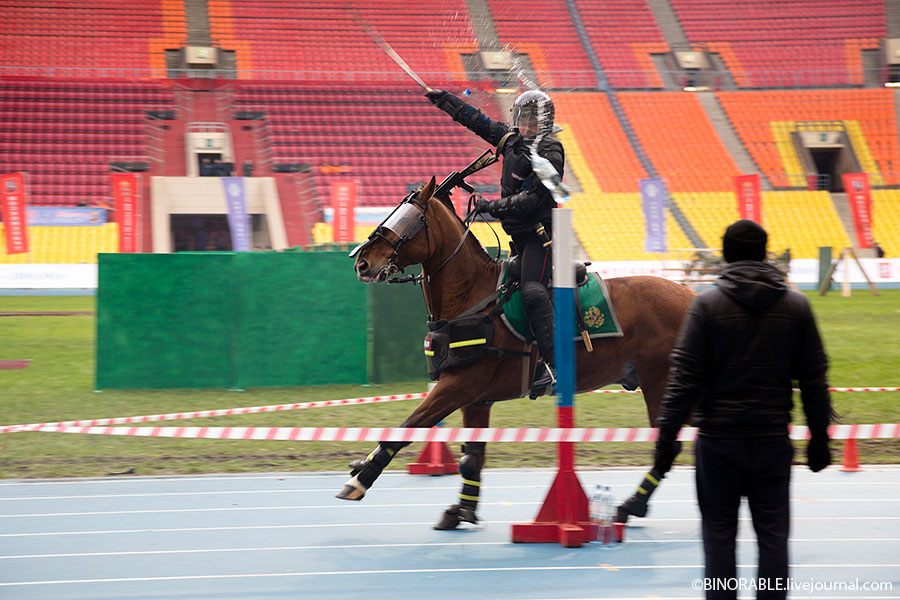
(66, 215)
(858, 195)
(12, 188)
(748, 197)
(343, 202)
(653, 201)
(126, 195)
(238, 218)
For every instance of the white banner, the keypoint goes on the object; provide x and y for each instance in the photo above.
(803, 271)
(43, 276)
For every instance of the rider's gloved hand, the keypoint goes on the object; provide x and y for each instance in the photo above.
(435, 95)
(483, 206)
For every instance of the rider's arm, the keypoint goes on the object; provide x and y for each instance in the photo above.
(522, 204)
(476, 121)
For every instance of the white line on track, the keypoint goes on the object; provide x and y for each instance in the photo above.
(348, 505)
(411, 489)
(360, 525)
(374, 546)
(396, 473)
(346, 573)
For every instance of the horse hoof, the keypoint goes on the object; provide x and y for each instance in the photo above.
(352, 490)
(455, 515)
(632, 506)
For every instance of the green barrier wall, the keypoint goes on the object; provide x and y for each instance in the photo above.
(397, 328)
(230, 320)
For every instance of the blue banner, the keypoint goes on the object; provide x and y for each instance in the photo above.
(61, 215)
(238, 218)
(653, 201)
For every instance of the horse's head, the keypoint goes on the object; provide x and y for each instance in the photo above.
(398, 242)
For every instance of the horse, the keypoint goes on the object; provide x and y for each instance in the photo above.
(458, 275)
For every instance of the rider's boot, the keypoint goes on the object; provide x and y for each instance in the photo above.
(536, 300)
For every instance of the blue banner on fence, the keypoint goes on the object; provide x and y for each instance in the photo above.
(238, 218)
(653, 201)
(58, 215)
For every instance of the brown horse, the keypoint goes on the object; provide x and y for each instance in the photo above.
(458, 274)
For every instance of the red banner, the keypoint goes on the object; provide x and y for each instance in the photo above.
(856, 185)
(15, 220)
(126, 194)
(748, 197)
(343, 202)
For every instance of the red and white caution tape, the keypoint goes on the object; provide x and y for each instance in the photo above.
(210, 413)
(447, 434)
(295, 406)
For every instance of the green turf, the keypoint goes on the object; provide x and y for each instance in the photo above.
(860, 335)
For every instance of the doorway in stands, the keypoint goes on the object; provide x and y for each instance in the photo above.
(210, 233)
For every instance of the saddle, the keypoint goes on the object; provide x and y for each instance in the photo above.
(465, 340)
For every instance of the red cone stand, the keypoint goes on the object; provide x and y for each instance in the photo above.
(563, 518)
(435, 459)
(851, 459)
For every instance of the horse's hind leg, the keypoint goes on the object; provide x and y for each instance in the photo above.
(638, 503)
(470, 465)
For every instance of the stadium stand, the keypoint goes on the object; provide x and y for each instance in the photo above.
(388, 138)
(90, 37)
(623, 34)
(316, 39)
(543, 29)
(63, 133)
(332, 101)
(886, 220)
(601, 140)
(681, 142)
(801, 43)
(64, 245)
(764, 120)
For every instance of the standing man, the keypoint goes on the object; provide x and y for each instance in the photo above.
(741, 346)
(525, 205)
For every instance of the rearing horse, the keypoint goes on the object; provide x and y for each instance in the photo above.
(457, 275)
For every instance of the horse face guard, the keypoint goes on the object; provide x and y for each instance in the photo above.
(404, 222)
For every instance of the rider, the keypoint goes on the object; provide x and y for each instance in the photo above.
(525, 205)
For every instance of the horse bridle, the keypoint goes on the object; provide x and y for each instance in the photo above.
(404, 222)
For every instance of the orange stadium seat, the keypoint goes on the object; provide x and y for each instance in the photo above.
(680, 141)
(763, 119)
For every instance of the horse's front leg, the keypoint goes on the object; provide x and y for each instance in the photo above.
(470, 465)
(439, 403)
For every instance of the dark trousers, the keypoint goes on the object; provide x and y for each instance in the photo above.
(760, 469)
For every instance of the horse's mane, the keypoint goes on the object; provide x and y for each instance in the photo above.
(471, 244)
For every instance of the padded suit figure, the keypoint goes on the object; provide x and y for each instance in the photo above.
(525, 206)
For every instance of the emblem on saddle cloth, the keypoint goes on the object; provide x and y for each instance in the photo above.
(596, 310)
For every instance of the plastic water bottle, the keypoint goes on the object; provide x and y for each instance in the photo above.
(601, 514)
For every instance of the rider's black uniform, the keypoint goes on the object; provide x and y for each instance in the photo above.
(525, 203)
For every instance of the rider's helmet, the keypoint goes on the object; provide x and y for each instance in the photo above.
(533, 112)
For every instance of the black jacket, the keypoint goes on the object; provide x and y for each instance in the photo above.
(741, 345)
(524, 200)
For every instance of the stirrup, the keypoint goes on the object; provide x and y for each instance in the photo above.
(545, 383)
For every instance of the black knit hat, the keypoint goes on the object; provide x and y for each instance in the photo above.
(744, 240)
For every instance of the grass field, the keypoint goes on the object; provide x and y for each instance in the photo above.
(860, 333)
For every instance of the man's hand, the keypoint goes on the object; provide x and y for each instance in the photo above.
(483, 206)
(665, 455)
(818, 455)
(435, 95)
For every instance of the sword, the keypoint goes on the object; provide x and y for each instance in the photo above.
(386, 48)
